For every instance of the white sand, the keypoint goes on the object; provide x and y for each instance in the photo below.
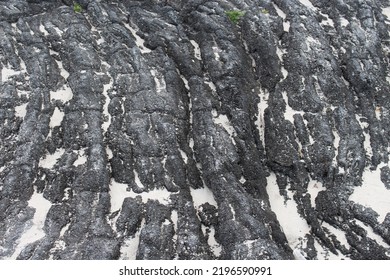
(130, 245)
(293, 225)
(340, 235)
(290, 112)
(81, 159)
(373, 193)
(325, 254)
(343, 22)
(118, 193)
(43, 30)
(107, 99)
(35, 232)
(187, 86)
(261, 106)
(100, 41)
(15, 27)
(174, 218)
(367, 137)
(313, 189)
(233, 212)
(215, 247)
(138, 40)
(211, 85)
(64, 94)
(280, 54)
(286, 23)
(286, 26)
(56, 118)
(21, 110)
(371, 234)
(109, 153)
(50, 160)
(327, 21)
(311, 140)
(386, 12)
(183, 155)
(308, 4)
(196, 50)
(185, 81)
(223, 121)
(378, 113)
(53, 53)
(7, 73)
(59, 31)
(137, 180)
(201, 196)
(279, 11)
(65, 74)
(298, 254)
(191, 143)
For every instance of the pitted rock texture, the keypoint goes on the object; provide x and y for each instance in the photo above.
(164, 130)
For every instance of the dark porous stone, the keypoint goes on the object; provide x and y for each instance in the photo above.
(172, 130)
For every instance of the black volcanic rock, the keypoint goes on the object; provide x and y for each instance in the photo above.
(164, 130)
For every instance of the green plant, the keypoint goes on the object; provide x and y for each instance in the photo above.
(265, 11)
(77, 7)
(235, 15)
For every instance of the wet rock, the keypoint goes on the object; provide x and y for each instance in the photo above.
(385, 176)
(208, 214)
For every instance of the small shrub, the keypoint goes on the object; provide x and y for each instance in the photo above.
(77, 7)
(235, 15)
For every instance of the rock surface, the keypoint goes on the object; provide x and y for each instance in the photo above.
(164, 130)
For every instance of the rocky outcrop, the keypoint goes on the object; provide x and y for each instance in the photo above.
(167, 130)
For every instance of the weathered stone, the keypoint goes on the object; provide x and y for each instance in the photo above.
(169, 125)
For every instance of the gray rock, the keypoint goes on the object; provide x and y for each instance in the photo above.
(165, 124)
